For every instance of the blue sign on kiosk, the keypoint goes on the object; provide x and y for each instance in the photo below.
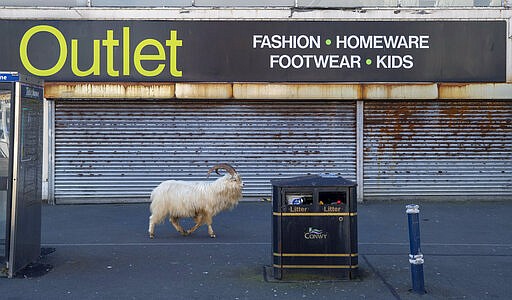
(21, 145)
(9, 77)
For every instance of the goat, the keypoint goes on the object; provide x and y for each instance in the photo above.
(200, 200)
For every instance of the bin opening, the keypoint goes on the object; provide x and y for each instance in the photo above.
(332, 198)
(299, 199)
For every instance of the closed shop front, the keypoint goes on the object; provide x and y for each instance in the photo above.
(396, 103)
(119, 150)
(456, 150)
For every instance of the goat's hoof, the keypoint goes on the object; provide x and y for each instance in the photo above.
(213, 235)
(151, 236)
(185, 233)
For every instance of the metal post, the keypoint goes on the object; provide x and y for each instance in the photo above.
(360, 149)
(415, 256)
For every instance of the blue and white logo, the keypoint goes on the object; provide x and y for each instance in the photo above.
(315, 233)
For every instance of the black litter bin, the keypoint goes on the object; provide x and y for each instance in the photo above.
(314, 222)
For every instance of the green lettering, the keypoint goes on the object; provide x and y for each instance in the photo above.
(110, 43)
(95, 67)
(126, 51)
(63, 47)
(173, 43)
(138, 57)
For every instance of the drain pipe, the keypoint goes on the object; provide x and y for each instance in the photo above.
(415, 256)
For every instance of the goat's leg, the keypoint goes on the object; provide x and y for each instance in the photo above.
(175, 221)
(208, 220)
(199, 221)
(153, 220)
(151, 229)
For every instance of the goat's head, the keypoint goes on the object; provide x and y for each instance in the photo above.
(235, 178)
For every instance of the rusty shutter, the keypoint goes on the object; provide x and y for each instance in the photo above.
(456, 150)
(118, 151)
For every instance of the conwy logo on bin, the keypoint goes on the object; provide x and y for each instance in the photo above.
(315, 234)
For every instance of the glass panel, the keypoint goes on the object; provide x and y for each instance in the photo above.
(45, 3)
(5, 113)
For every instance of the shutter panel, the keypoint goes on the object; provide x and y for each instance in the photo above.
(119, 150)
(457, 150)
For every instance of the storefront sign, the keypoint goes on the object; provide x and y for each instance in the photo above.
(256, 51)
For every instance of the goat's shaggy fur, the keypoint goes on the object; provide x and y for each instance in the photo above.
(200, 200)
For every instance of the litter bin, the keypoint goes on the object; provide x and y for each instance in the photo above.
(314, 220)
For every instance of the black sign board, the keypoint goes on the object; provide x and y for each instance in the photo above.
(256, 51)
(31, 92)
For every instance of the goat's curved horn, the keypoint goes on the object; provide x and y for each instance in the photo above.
(224, 166)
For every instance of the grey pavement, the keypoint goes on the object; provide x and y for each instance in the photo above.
(103, 252)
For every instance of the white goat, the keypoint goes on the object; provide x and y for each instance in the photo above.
(200, 200)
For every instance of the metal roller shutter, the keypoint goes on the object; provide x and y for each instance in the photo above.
(457, 150)
(118, 151)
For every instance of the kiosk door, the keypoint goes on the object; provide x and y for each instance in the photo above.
(21, 139)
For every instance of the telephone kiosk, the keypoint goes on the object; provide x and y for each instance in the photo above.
(21, 155)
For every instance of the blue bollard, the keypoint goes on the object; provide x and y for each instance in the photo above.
(415, 256)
